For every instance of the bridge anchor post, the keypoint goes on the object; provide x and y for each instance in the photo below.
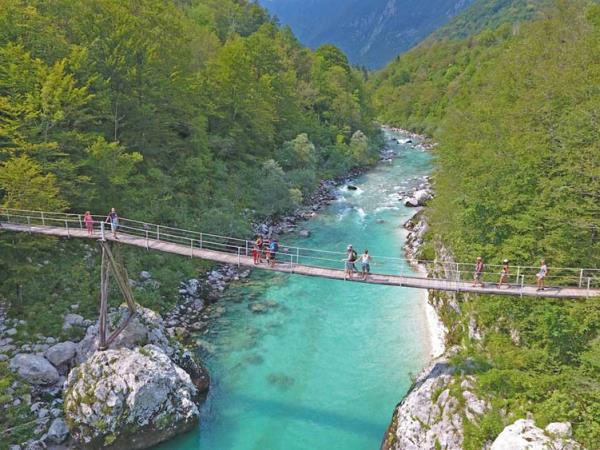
(109, 264)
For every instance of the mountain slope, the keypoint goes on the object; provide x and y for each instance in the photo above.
(491, 14)
(371, 33)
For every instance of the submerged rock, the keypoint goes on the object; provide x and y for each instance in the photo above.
(129, 399)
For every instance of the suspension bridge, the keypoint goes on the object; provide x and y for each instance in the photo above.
(569, 283)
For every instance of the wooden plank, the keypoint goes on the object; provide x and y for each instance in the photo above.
(338, 274)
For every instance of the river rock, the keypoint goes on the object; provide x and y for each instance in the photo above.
(58, 431)
(34, 369)
(145, 275)
(258, 308)
(73, 320)
(525, 435)
(129, 399)
(61, 355)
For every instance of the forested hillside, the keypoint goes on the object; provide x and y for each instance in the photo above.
(200, 114)
(486, 14)
(516, 118)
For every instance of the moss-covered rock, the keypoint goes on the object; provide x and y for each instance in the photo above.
(129, 399)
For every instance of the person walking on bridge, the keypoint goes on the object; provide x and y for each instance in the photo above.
(273, 249)
(351, 257)
(365, 261)
(504, 274)
(478, 273)
(89, 223)
(541, 275)
(259, 245)
(113, 219)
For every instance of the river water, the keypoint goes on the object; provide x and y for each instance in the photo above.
(324, 367)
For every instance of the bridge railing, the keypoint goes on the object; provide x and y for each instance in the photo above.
(451, 272)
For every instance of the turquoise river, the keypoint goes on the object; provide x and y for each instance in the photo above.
(327, 362)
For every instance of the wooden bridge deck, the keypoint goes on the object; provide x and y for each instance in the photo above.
(338, 274)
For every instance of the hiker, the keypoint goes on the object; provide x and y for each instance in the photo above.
(255, 254)
(365, 261)
(259, 245)
(273, 249)
(504, 274)
(113, 219)
(89, 223)
(350, 260)
(541, 275)
(478, 272)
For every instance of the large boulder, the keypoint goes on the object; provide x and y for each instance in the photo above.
(61, 355)
(129, 399)
(419, 198)
(525, 435)
(34, 369)
(145, 327)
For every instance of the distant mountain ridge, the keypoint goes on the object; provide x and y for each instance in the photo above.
(372, 32)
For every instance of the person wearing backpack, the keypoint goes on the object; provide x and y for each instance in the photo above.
(351, 257)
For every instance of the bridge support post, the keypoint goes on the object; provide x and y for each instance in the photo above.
(29, 223)
(67, 227)
(580, 277)
(120, 274)
(43, 221)
(239, 256)
(102, 238)
(191, 248)
(588, 286)
(103, 300)
(200, 240)
(80, 222)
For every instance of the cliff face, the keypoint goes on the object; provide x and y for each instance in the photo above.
(431, 415)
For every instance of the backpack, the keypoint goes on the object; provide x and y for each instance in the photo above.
(354, 256)
(274, 247)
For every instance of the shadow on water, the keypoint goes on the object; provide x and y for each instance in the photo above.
(317, 416)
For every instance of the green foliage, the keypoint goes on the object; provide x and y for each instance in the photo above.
(515, 114)
(490, 14)
(15, 421)
(25, 187)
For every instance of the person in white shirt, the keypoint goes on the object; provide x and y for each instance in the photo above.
(365, 261)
